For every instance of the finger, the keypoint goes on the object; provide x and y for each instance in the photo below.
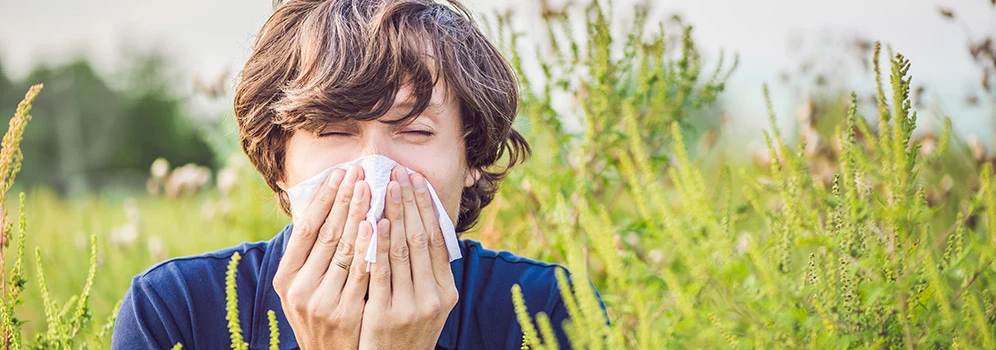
(351, 300)
(335, 223)
(335, 274)
(345, 254)
(380, 271)
(439, 255)
(401, 274)
(306, 226)
(423, 281)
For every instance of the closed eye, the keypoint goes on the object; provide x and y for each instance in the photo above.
(330, 134)
(419, 132)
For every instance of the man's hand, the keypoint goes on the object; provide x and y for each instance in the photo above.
(320, 288)
(411, 284)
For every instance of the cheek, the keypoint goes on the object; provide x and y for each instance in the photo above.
(304, 157)
(448, 185)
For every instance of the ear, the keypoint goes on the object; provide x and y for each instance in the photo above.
(473, 175)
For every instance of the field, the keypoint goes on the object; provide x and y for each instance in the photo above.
(845, 232)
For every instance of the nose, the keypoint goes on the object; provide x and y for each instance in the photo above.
(377, 142)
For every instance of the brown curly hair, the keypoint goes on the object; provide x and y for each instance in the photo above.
(316, 61)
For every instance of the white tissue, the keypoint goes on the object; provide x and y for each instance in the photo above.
(377, 174)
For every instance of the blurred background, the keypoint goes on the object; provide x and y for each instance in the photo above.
(131, 81)
(133, 139)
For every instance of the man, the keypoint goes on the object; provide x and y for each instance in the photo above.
(330, 81)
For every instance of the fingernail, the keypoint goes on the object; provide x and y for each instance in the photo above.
(366, 230)
(419, 182)
(403, 178)
(383, 232)
(358, 191)
(351, 172)
(335, 178)
(395, 194)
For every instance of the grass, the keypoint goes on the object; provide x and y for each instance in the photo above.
(686, 248)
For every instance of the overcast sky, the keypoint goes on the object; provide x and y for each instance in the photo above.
(206, 38)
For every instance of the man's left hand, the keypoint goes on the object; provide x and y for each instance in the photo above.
(411, 285)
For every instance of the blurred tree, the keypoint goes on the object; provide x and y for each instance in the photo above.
(7, 95)
(90, 136)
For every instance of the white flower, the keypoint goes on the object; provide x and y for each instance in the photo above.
(160, 168)
(124, 235)
(187, 179)
(227, 178)
(157, 248)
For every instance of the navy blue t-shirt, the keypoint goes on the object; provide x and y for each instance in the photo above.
(182, 300)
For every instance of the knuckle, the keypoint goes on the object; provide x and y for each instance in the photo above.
(297, 296)
(380, 275)
(394, 213)
(406, 317)
(436, 239)
(346, 247)
(279, 286)
(358, 274)
(328, 235)
(356, 214)
(315, 307)
(419, 239)
(431, 307)
(399, 252)
(424, 200)
(303, 230)
(450, 297)
(344, 197)
(282, 280)
(325, 196)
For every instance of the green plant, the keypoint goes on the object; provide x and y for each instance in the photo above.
(65, 323)
(10, 165)
(687, 246)
(785, 262)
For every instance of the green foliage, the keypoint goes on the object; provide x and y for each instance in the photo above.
(274, 331)
(66, 324)
(232, 304)
(682, 259)
(8, 321)
(686, 247)
(99, 135)
(232, 309)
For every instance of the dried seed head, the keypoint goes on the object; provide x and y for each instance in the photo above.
(160, 169)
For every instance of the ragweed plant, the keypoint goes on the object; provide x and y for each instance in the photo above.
(66, 324)
(684, 257)
(686, 248)
(10, 165)
(595, 196)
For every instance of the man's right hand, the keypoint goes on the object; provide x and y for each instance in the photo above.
(321, 289)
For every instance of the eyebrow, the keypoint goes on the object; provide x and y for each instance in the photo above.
(347, 123)
(434, 108)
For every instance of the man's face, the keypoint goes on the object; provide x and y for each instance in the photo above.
(432, 145)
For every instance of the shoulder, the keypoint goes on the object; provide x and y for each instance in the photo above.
(183, 299)
(493, 273)
(504, 266)
(486, 278)
(201, 267)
